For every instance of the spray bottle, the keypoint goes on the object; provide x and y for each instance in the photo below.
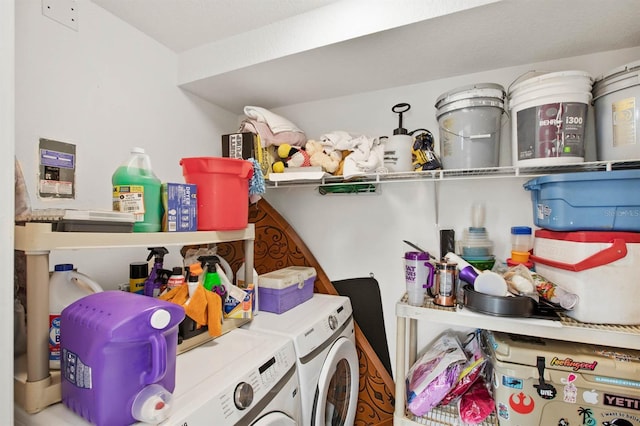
(154, 282)
(212, 280)
(397, 148)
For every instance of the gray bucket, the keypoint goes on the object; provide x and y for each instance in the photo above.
(616, 103)
(469, 120)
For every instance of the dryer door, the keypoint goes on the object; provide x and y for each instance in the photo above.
(337, 391)
(275, 418)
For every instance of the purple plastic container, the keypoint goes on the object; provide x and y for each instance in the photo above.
(115, 346)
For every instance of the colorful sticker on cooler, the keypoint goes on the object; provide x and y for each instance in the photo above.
(621, 401)
(617, 382)
(570, 392)
(503, 411)
(618, 356)
(591, 396)
(619, 418)
(75, 371)
(512, 382)
(574, 365)
(563, 422)
(521, 403)
(587, 416)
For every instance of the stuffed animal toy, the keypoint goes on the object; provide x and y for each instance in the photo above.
(319, 157)
(290, 156)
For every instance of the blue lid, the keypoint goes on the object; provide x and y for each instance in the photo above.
(63, 267)
(520, 230)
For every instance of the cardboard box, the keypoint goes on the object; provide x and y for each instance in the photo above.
(240, 145)
(286, 288)
(180, 207)
(248, 145)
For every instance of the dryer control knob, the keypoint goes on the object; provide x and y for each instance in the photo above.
(333, 322)
(243, 395)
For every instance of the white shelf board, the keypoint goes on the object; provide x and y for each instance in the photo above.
(622, 336)
(34, 237)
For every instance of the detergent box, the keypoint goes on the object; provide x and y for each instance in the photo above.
(180, 207)
(285, 288)
(550, 382)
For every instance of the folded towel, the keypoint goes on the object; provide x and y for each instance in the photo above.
(277, 123)
(268, 138)
(204, 307)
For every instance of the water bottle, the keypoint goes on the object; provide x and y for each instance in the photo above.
(65, 287)
(136, 189)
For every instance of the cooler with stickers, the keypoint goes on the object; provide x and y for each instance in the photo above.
(550, 382)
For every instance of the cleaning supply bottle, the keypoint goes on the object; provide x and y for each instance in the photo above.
(211, 279)
(154, 282)
(176, 279)
(397, 148)
(65, 287)
(136, 189)
(241, 282)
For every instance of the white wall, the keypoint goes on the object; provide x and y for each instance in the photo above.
(7, 111)
(105, 88)
(354, 235)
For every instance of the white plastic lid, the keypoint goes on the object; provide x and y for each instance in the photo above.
(137, 150)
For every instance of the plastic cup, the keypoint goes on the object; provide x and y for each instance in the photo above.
(418, 273)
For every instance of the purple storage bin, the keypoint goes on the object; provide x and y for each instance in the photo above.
(118, 362)
(286, 288)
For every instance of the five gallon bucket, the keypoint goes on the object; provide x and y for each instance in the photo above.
(548, 118)
(223, 191)
(616, 102)
(470, 119)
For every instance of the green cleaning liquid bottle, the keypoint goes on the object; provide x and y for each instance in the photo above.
(136, 189)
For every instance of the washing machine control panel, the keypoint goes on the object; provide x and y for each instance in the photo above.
(322, 331)
(255, 375)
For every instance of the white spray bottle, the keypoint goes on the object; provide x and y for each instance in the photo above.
(397, 148)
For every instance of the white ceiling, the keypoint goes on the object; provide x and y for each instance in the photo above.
(283, 52)
(184, 24)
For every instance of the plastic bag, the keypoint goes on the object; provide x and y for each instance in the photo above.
(434, 373)
(473, 369)
(476, 404)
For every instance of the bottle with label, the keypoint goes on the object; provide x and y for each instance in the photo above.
(240, 282)
(176, 279)
(138, 273)
(65, 287)
(136, 189)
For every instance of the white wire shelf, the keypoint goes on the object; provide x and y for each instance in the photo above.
(459, 174)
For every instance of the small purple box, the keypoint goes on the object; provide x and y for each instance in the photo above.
(286, 288)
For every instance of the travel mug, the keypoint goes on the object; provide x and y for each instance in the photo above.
(418, 273)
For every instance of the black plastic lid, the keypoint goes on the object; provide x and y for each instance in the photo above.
(138, 270)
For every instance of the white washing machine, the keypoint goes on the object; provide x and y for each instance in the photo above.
(323, 334)
(241, 378)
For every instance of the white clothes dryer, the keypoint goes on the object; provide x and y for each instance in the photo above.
(322, 330)
(242, 378)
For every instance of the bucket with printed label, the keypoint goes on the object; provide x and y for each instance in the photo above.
(548, 118)
(616, 103)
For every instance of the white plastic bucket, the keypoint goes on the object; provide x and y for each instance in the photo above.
(469, 120)
(548, 118)
(616, 102)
